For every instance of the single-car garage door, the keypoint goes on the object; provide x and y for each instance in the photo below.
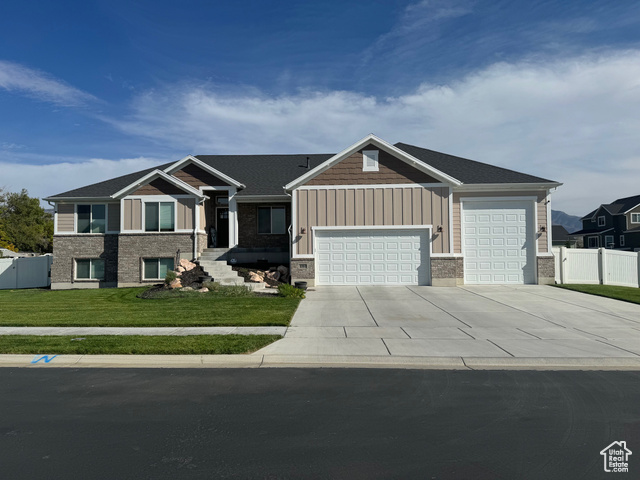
(372, 257)
(498, 242)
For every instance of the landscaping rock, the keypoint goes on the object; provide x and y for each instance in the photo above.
(187, 289)
(254, 277)
(203, 290)
(175, 284)
(187, 265)
(180, 269)
(275, 276)
(283, 270)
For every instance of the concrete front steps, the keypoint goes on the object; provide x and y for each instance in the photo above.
(214, 263)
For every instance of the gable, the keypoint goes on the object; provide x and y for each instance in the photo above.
(158, 186)
(391, 170)
(197, 177)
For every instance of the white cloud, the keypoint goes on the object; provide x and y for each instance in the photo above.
(50, 179)
(575, 121)
(36, 84)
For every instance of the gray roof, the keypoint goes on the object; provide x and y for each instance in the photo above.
(267, 174)
(617, 207)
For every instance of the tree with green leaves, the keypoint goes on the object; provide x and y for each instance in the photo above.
(24, 224)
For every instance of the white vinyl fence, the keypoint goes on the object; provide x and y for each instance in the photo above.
(25, 272)
(599, 266)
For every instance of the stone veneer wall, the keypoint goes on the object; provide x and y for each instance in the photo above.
(248, 236)
(447, 271)
(67, 248)
(202, 242)
(546, 270)
(132, 248)
(298, 273)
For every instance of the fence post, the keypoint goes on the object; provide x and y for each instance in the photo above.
(602, 257)
(563, 256)
(638, 265)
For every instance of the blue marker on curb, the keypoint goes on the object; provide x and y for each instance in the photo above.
(46, 358)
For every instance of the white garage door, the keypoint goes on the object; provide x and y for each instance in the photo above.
(498, 242)
(372, 257)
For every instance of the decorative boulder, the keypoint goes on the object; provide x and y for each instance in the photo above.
(180, 269)
(253, 277)
(187, 289)
(203, 290)
(175, 283)
(187, 265)
(275, 276)
(283, 270)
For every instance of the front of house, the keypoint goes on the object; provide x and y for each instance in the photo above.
(615, 225)
(373, 214)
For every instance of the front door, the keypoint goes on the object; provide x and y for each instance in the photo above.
(222, 227)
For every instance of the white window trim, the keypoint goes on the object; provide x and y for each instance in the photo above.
(604, 221)
(106, 218)
(608, 242)
(175, 216)
(637, 220)
(372, 154)
(153, 199)
(157, 259)
(622, 240)
(597, 239)
(271, 207)
(233, 212)
(75, 270)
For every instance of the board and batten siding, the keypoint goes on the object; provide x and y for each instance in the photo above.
(541, 213)
(185, 208)
(132, 214)
(113, 217)
(66, 214)
(384, 206)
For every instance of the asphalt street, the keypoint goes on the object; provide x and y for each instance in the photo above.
(314, 423)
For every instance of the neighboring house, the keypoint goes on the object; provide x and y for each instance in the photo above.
(614, 225)
(374, 213)
(562, 238)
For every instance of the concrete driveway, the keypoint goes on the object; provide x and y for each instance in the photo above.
(468, 322)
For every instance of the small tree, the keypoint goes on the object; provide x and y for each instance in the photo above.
(24, 225)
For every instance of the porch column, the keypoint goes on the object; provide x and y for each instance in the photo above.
(233, 219)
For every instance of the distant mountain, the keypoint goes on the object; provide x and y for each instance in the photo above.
(570, 222)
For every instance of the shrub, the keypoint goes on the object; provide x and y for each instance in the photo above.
(289, 291)
(170, 277)
(228, 290)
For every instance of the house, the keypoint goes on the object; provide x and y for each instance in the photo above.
(562, 238)
(614, 225)
(375, 213)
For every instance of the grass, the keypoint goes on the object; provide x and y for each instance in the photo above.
(134, 344)
(120, 307)
(627, 294)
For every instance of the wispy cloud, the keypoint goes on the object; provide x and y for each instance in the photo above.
(41, 86)
(574, 121)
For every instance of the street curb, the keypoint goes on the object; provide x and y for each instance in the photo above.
(315, 361)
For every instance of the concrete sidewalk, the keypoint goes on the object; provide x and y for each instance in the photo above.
(170, 331)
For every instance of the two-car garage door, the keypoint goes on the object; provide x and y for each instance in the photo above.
(498, 244)
(372, 256)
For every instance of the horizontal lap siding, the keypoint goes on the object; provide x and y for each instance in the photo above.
(66, 217)
(371, 206)
(541, 209)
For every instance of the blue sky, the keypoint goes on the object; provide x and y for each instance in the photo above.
(90, 90)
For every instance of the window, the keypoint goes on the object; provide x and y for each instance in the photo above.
(594, 242)
(271, 220)
(90, 269)
(635, 218)
(157, 268)
(370, 160)
(608, 241)
(91, 218)
(159, 217)
(601, 221)
(622, 240)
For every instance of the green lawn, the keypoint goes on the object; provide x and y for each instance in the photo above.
(119, 307)
(627, 294)
(134, 344)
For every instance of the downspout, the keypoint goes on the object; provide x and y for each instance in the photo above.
(290, 231)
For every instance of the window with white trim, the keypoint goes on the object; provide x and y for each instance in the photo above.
(159, 217)
(370, 160)
(594, 242)
(601, 221)
(90, 269)
(635, 218)
(608, 241)
(622, 240)
(271, 220)
(156, 268)
(91, 218)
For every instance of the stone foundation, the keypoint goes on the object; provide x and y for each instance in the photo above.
(68, 248)
(546, 270)
(447, 271)
(304, 270)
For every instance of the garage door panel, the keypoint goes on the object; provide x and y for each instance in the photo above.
(383, 257)
(502, 252)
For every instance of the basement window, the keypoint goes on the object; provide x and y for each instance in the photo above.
(90, 269)
(156, 268)
(370, 160)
